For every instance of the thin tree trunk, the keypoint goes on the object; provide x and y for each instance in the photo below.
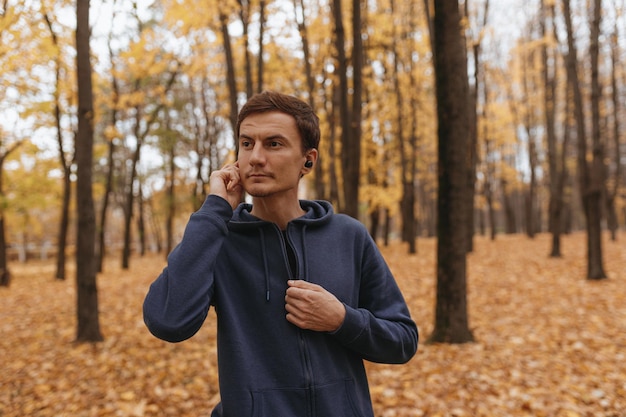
(171, 203)
(141, 228)
(65, 163)
(555, 207)
(310, 82)
(260, 65)
(612, 192)
(108, 187)
(88, 325)
(407, 201)
(472, 156)
(244, 15)
(529, 122)
(350, 205)
(356, 115)
(230, 70)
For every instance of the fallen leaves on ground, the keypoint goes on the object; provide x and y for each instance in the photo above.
(548, 341)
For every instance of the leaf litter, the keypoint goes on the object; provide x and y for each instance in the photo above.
(548, 342)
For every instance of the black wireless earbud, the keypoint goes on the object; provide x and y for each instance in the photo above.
(308, 164)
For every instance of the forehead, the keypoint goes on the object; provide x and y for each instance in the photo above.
(269, 123)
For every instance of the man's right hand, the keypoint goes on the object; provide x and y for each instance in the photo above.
(226, 183)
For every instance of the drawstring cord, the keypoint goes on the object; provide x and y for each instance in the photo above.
(305, 268)
(265, 265)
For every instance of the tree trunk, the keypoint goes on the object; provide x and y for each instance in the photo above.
(356, 115)
(230, 72)
(130, 192)
(509, 210)
(387, 232)
(589, 177)
(529, 123)
(374, 222)
(65, 161)
(472, 155)
(244, 15)
(612, 192)
(310, 82)
(330, 107)
(452, 90)
(5, 275)
(108, 187)
(407, 201)
(555, 205)
(141, 227)
(349, 156)
(171, 203)
(595, 193)
(88, 325)
(260, 65)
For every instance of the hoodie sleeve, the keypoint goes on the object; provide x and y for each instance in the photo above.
(178, 301)
(380, 329)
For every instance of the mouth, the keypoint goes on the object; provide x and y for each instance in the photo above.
(258, 175)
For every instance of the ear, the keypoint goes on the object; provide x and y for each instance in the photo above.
(310, 156)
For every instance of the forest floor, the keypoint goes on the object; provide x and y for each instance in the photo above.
(548, 342)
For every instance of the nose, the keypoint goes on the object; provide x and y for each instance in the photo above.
(257, 154)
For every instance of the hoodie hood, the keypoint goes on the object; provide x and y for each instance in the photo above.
(318, 212)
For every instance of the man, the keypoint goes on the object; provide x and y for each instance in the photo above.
(302, 295)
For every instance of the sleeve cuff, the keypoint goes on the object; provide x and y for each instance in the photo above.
(353, 326)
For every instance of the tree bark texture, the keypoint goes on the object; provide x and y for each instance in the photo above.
(88, 325)
(590, 178)
(451, 319)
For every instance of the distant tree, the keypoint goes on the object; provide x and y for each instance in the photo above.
(613, 185)
(478, 29)
(231, 80)
(245, 12)
(347, 152)
(141, 132)
(530, 85)
(88, 325)
(299, 9)
(594, 177)
(260, 62)
(147, 99)
(5, 151)
(557, 170)
(111, 135)
(406, 141)
(452, 90)
(65, 158)
(352, 158)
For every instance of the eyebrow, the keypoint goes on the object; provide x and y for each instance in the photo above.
(271, 137)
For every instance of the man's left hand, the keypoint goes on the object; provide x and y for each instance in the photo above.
(309, 306)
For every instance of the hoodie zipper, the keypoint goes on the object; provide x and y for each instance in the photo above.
(304, 348)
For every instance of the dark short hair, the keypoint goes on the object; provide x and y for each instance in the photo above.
(307, 121)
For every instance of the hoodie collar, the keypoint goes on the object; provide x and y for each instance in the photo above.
(317, 213)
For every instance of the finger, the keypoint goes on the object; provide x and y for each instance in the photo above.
(300, 283)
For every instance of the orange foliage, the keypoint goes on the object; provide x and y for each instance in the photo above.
(548, 342)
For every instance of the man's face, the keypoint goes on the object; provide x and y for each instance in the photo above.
(270, 156)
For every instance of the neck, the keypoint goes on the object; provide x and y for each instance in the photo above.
(276, 210)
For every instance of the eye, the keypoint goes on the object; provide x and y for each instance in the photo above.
(274, 144)
(244, 143)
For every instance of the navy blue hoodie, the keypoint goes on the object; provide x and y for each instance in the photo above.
(267, 366)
